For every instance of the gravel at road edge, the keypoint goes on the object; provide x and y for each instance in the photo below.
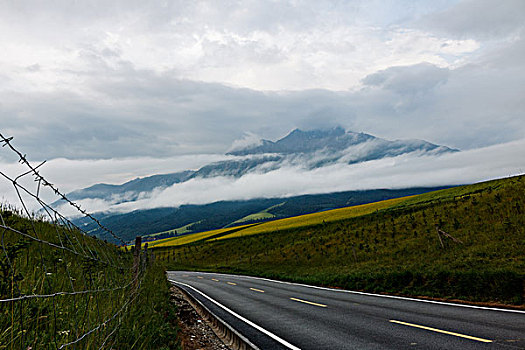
(194, 333)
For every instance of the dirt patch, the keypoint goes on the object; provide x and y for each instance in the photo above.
(194, 333)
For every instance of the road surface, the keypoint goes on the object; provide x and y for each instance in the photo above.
(281, 315)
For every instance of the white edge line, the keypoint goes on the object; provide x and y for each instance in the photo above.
(368, 294)
(259, 328)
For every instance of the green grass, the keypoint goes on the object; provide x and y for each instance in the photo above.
(28, 267)
(260, 216)
(151, 322)
(178, 230)
(263, 215)
(195, 237)
(394, 248)
(279, 225)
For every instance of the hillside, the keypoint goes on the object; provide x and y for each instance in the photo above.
(396, 249)
(282, 224)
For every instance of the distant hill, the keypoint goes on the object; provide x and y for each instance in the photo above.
(130, 190)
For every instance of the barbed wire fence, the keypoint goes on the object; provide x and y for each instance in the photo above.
(59, 287)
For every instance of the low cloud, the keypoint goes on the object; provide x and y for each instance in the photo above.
(404, 171)
(409, 80)
(69, 175)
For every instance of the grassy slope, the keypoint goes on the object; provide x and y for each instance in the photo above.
(391, 250)
(178, 230)
(316, 218)
(195, 237)
(262, 215)
(281, 224)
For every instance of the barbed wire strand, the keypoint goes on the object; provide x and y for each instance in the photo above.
(44, 182)
(91, 256)
(48, 207)
(129, 301)
(71, 241)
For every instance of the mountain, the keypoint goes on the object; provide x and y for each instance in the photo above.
(130, 190)
(305, 150)
(339, 141)
(299, 141)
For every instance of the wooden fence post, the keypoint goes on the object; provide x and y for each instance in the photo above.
(136, 260)
(439, 236)
(146, 254)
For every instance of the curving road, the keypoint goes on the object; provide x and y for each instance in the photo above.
(281, 315)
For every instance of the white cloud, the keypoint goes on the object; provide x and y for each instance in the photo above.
(249, 140)
(75, 174)
(409, 79)
(405, 171)
(281, 45)
(69, 175)
(483, 19)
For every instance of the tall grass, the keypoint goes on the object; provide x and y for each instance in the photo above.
(86, 292)
(151, 322)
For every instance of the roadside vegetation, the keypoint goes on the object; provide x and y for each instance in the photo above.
(466, 242)
(62, 289)
(151, 322)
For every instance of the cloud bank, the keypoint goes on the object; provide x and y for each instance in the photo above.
(157, 79)
(411, 170)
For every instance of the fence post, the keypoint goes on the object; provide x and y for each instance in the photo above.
(146, 254)
(136, 259)
(439, 236)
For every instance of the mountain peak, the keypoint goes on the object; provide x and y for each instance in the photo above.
(301, 141)
(316, 133)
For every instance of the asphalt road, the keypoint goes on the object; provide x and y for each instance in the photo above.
(281, 315)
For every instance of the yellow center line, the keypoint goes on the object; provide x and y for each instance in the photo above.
(200, 277)
(216, 280)
(442, 331)
(184, 275)
(308, 302)
(257, 290)
(233, 284)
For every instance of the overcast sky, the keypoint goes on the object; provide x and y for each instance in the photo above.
(111, 90)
